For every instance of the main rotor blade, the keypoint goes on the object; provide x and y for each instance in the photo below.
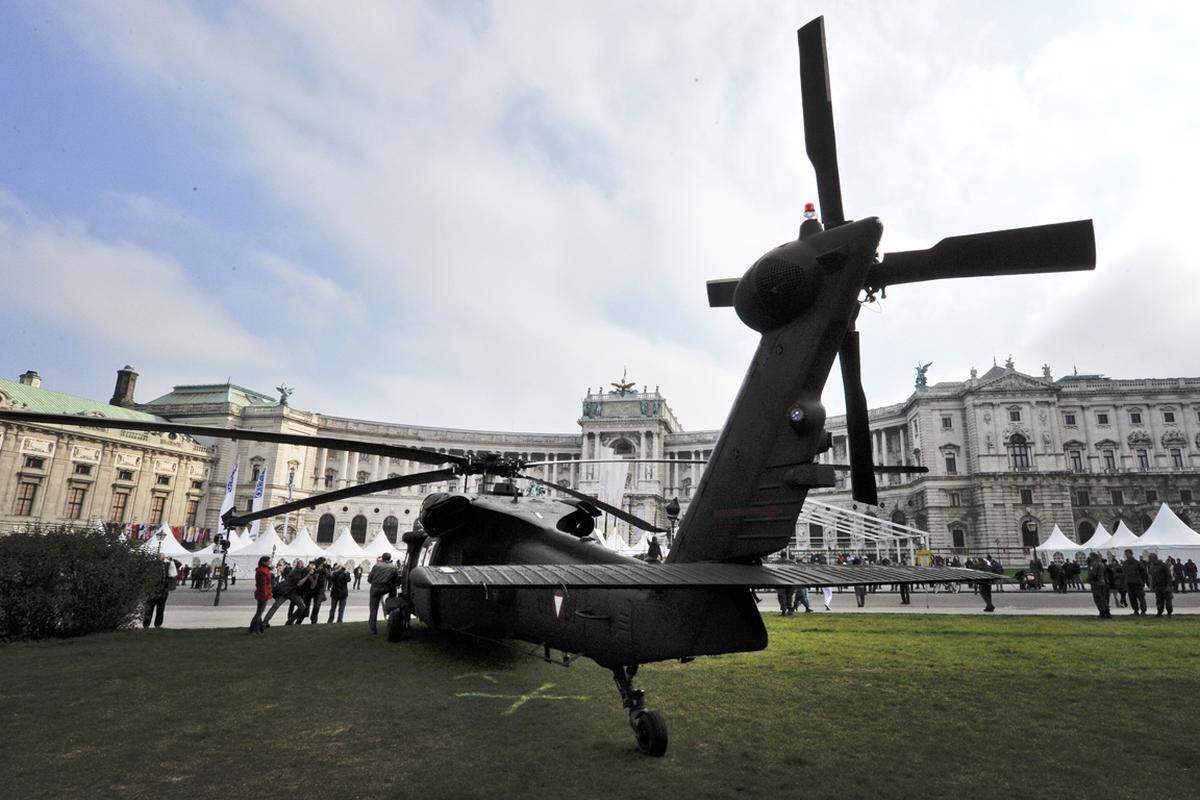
(858, 433)
(329, 443)
(819, 139)
(387, 484)
(720, 292)
(1061, 247)
(636, 522)
(887, 469)
(618, 461)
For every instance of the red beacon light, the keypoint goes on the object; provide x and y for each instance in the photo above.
(810, 211)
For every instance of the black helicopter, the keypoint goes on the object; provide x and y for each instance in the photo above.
(501, 565)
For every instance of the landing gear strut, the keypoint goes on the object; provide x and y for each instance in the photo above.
(398, 618)
(648, 725)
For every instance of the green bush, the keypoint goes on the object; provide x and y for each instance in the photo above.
(64, 581)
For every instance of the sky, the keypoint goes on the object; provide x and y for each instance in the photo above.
(467, 214)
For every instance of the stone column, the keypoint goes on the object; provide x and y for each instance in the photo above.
(319, 477)
(343, 469)
(352, 475)
(904, 444)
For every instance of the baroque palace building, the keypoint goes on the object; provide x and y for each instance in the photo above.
(1009, 456)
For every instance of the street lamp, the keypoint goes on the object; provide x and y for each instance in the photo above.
(672, 517)
(160, 535)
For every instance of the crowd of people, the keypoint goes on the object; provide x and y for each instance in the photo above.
(1128, 581)
(306, 586)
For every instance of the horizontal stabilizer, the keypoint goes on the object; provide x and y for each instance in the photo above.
(720, 292)
(695, 575)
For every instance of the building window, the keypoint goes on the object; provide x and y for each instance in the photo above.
(816, 536)
(26, 494)
(163, 480)
(1110, 460)
(1176, 458)
(124, 475)
(947, 423)
(1102, 419)
(954, 498)
(254, 473)
(75, 497)
(951, 464)
(1069, 420)
(33, 462)
(1026, 497)
(1018, 450)
(197, 485)
(1185, 496)
(189, 514)
(1135, 418)
(1169, 417)
(1081, 497)
(1029, 534)
(1118, 497)
(158, 504)
(1076, 461)
(119, 502)
(958, 538)
(1151, 496)
(83, 469)
(1143, 460)
(1014, 415)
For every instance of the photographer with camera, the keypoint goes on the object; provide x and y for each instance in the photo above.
(383, 581)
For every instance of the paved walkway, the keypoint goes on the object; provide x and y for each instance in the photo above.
(189, 608)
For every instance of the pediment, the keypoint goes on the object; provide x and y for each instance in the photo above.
(1013, 382)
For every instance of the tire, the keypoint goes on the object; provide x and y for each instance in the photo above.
(651, 731)
(397, 626)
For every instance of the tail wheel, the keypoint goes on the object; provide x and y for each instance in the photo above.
(651, 731)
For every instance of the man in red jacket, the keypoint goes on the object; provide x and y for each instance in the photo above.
(262, 592)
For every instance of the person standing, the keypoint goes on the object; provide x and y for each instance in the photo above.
(827, 591)
(382, 582)
(800, 598)
(1160, 582)
(1189, 571)
(318, 590)
(786, 597)
(1035, 566)
(1118, 581)
(164, 584)
(1177, 578)
(358, 573)
(263, 584)
(905, 598)
(654, 551)
(1098, 578)
(339, 585)
(1135, 583)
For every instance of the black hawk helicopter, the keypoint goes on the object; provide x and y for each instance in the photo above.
(501, 565)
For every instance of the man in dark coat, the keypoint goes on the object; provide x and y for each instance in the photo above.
(1118, 581)
(654, 551)
(1160, 582)
(358, 573)
(164, 584)
(339, 590)
(1135, 583)
(318, 590)
(382, 580)
(1035, 566)
(1098, 578)
(1177, 577)
(1189, 571)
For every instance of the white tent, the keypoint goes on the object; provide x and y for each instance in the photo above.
(1169, 536)
(170, 545)
(1098, 541)
(204, 554)
(380, 545)
(303, 546)
(345, 550)
(1057, 542)
(1123, 538)
(267, 544)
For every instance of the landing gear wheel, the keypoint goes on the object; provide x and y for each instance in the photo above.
(397, 625)
(651, 731)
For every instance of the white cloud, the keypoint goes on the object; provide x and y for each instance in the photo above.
(528, 197)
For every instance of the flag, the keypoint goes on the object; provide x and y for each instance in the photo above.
(287, 517)
(258, 501)
(227, 503)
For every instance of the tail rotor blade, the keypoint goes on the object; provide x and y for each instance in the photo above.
(1064, 246)
(858, 434)
(819, 140)
(720, 292)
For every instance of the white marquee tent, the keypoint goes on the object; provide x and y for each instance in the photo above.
(345, 550)
(1098, 541)
(1169, 536)
(380, 545)
(268, 543)
(170, 545)
(1121, 539)
(1057, 542)
(303, 546)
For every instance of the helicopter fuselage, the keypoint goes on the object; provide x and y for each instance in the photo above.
(613, 627)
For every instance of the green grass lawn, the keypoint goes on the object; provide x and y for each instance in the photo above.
(838, 707)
